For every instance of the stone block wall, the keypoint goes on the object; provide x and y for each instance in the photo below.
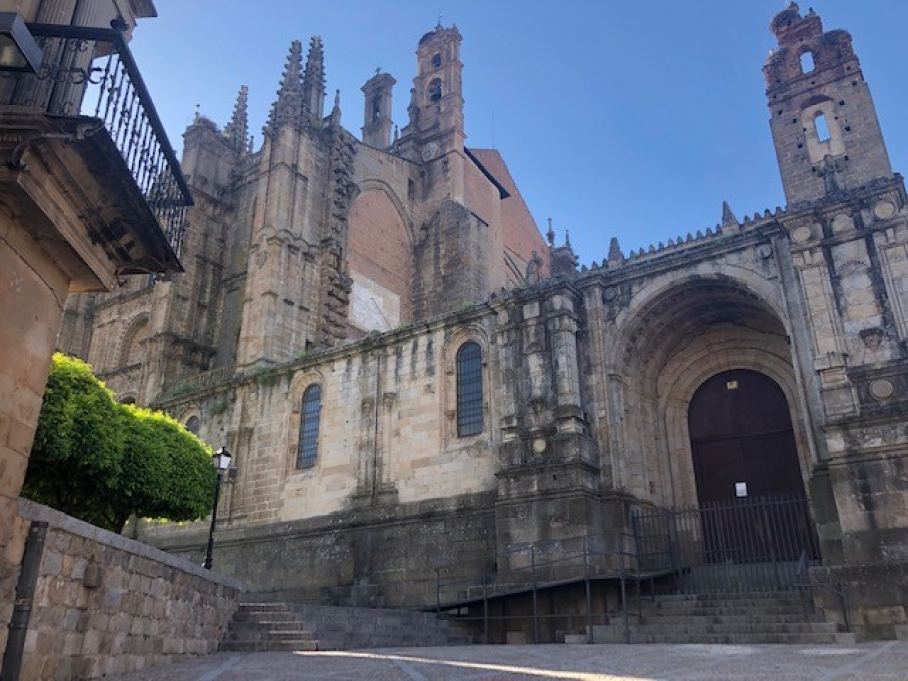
(874, 596)
(105, 604)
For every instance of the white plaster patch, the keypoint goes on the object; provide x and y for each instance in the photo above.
(372, 306)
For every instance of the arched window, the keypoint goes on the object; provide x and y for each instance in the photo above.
(807, 64)
(469, 389)
(311, 410)
(436, 61)
(435, 90)
(193, 424)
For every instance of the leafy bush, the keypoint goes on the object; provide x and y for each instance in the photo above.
(102, 461)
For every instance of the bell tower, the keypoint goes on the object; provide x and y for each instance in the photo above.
(823, 121)
(435, 127)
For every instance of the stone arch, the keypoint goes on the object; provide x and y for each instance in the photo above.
(678, 336)
(380, 260)
(132, 344)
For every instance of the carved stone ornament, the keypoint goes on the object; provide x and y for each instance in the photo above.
(610, 294)
(883, 210)
(800, 234)
(882, 389)
(764, 251)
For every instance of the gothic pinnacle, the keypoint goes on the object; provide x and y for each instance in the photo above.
(728, 218)
(289, 97)
(550, 235)
(237, 130)
(314, 80)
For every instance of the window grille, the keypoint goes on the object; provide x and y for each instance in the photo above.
(469, 390)
(311, 410)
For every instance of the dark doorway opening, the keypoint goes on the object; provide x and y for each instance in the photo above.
(744, 451)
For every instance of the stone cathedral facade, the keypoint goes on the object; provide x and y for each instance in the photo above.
(409, 375)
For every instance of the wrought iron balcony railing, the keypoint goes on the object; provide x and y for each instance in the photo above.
(90, 72)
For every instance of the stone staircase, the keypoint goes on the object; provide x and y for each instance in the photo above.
(260, 627)
(297, 626)
(738, 618)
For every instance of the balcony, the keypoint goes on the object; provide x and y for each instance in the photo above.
(88, 164)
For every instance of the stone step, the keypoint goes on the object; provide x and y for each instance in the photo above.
(618, 636)
(254, 646)
(258, 627)
(700, 627)
(700, 610)
(755, 618)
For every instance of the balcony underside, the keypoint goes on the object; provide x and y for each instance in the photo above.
(66, 178)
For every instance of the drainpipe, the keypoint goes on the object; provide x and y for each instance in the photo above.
(25, 594)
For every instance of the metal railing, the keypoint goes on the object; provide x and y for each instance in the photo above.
(526, 570)
(90, 72)
(752, 544)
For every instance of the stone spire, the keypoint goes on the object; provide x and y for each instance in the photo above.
(336, 109)
(728, 218)
(314, 80)
(550, 235)
(288, 106)
(237, 130)
(615, 256)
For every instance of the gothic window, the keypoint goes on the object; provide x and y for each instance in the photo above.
(435, 90)
(807, 64)
(310, 412)
(822, 126)
(469, 389)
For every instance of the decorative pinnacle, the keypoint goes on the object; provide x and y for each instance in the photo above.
(728, 218)
(237, 130)
(289, 98)
(614, 251)
(550, 235)
(314, 79)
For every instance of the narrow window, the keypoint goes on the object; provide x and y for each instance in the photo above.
(469, 389)
(376, 108)
(311, 409)
(822, 127)
(435, 90)
(192, 425)
(807, 64)
(436, 61)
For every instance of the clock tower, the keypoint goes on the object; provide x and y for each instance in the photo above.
(435, 127)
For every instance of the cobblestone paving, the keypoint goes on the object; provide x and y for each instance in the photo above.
(872, 661)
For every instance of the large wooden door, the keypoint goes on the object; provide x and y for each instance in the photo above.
(743, 451)
(740, 431)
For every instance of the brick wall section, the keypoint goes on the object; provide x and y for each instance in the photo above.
(149, 608)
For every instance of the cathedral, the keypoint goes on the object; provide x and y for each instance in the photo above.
(410, 377)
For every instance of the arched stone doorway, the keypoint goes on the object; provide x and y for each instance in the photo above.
(742, 440)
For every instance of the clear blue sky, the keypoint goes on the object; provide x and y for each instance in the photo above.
(630, 119)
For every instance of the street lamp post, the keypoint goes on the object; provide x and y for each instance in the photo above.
(221, 461)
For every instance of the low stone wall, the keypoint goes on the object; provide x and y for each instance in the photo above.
(107, 604)
(875, 598)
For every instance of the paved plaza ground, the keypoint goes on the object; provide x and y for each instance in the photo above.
(862, 662)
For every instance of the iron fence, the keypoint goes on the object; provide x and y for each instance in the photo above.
(750, 544)
(90, 73)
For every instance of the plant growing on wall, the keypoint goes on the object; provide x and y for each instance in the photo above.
(101, 461)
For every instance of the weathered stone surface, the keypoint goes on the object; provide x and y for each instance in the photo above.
(148, 607)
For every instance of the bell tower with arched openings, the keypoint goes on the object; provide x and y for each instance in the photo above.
(823, 121)
(435, 126)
